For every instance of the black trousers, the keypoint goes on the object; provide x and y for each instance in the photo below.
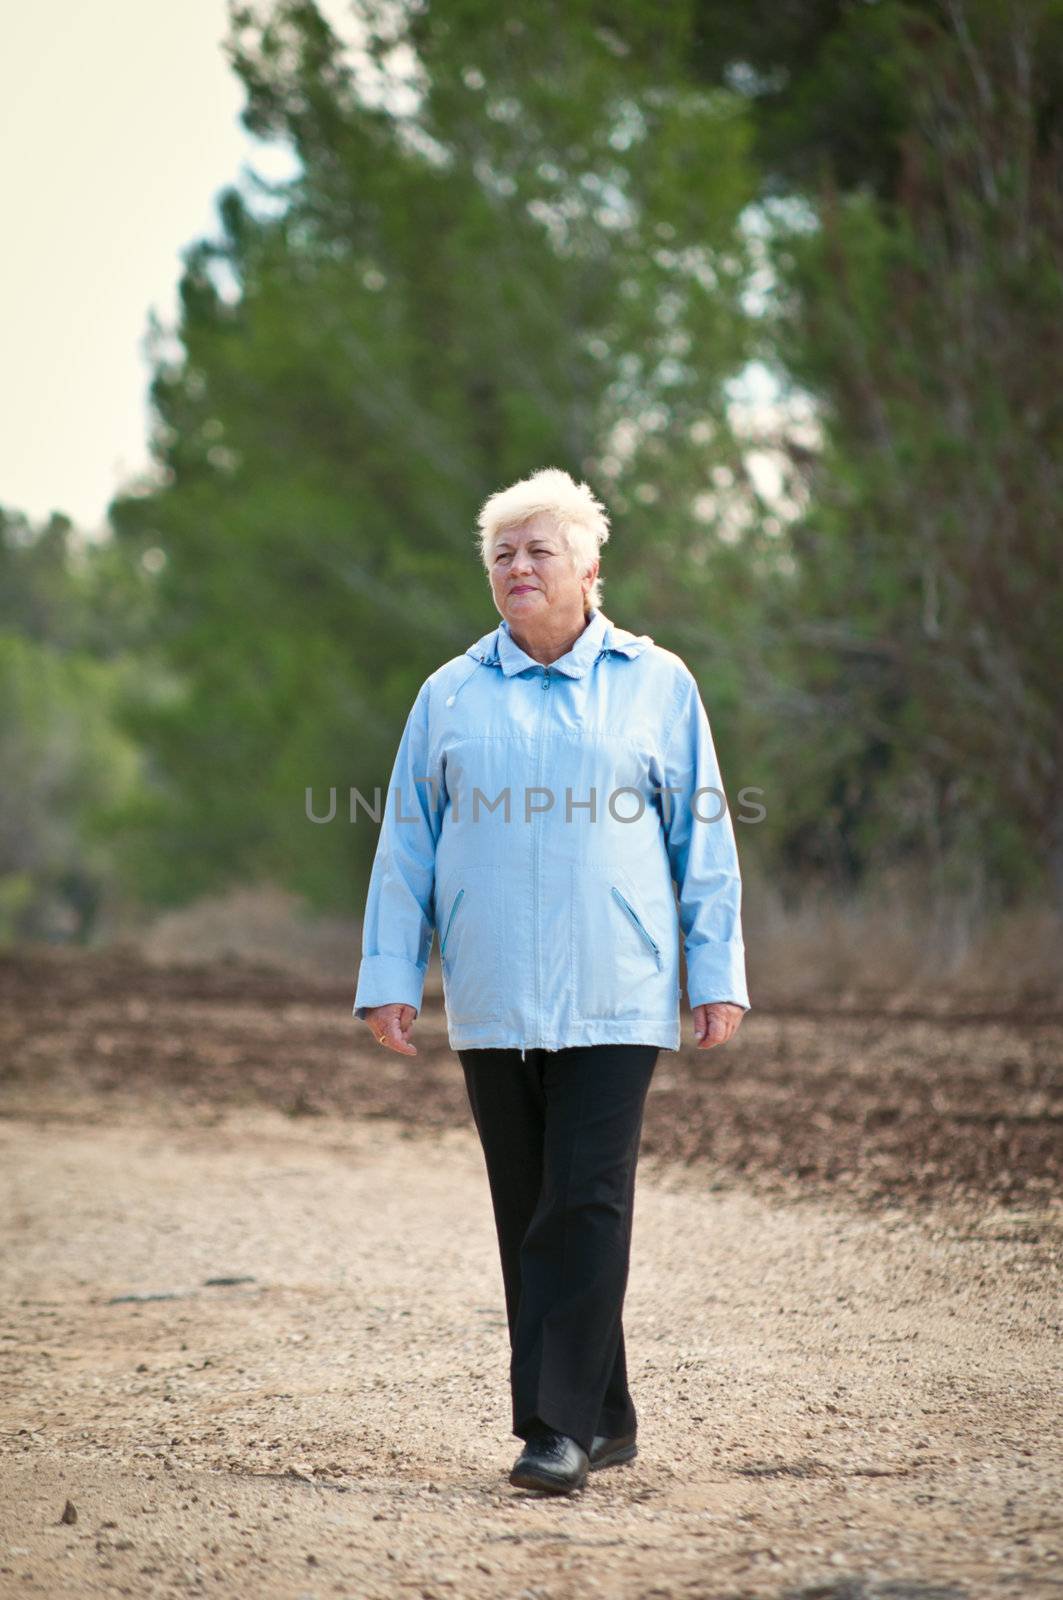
(560, 1132)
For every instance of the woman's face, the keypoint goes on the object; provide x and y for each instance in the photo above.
(532, 574)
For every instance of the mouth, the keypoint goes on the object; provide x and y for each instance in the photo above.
(522, 588)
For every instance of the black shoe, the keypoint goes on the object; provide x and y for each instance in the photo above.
(551, 1461)
(611, 1452)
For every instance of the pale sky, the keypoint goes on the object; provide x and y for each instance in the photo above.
(118, 128)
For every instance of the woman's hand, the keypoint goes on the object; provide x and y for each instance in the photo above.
(391, 1026)
(716, 1023)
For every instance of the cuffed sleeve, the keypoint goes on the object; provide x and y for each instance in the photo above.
(704, 857)
(398, 925)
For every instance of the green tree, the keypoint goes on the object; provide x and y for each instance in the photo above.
(534, 258)
(64, 761)
(917, 646)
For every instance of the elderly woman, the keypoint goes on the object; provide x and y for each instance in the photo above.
(551, 786)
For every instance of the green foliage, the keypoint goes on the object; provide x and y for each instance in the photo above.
(64, 765)
(559, 240)
(927, 609)
(540, 265)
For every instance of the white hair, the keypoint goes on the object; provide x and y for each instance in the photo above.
(581, 520)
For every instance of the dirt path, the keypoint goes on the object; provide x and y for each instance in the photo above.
(833, 1404)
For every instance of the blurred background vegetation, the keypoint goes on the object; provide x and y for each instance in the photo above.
(784, 283)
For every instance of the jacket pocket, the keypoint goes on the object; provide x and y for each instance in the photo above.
(470, 945)
(620, 972)
(636, 919)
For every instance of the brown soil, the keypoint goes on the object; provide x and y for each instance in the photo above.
(843, 1316)
(880, 1098)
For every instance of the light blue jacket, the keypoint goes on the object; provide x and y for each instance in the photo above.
(536, 818)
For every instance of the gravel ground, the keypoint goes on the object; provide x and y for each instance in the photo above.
(848, 1388)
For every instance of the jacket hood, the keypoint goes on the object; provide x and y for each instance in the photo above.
(600, 637)
(609, 637)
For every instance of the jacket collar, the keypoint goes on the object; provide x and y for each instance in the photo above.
(499, 649)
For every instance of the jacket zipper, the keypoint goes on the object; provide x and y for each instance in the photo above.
(544, 690)
(633, 914)
(450, 922)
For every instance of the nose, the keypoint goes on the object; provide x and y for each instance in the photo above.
(521, 562)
